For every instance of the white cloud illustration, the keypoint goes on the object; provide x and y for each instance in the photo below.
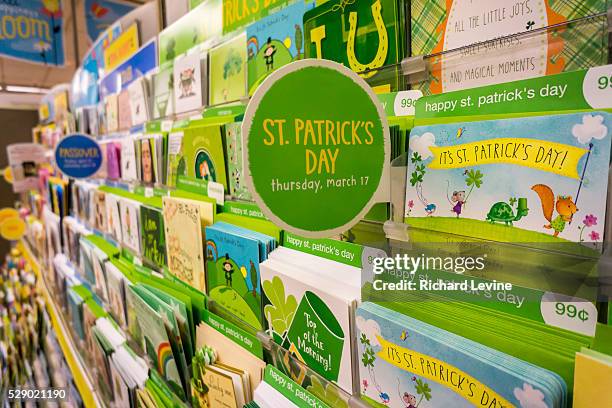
(530, 397)
(421, 144)
(592, 127)
(370, 328)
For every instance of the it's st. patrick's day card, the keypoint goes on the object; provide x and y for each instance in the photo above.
(406, 363)
(530, 180)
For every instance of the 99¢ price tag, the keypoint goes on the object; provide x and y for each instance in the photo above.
(597, 87)
(576, 315)
(405, 101)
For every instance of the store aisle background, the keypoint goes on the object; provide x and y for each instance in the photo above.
(17, 127)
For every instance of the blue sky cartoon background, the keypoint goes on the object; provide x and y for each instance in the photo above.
(279, 26)
(241, 250)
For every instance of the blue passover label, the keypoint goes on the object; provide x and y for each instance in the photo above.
(78, 156)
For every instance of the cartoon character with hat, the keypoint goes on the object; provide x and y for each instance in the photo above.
(229, 270)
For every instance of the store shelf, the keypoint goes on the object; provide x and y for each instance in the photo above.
(282, 359)
(82, 380)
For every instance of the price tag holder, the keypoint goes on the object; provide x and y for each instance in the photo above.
(553, 309)
(568, 91)
(216, 191)
(348, 253)
(400, 103)
(166, 125)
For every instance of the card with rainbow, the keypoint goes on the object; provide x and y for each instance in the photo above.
(150, 331)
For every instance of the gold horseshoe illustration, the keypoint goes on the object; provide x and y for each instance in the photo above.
(383, 43)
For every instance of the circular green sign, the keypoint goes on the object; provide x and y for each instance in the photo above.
(316, 148)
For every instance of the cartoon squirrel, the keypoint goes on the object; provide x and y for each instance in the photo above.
(564, 205)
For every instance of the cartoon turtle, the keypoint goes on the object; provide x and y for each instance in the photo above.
(502, 212)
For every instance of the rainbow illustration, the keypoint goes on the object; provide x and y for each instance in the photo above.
(252, 47)
(164, 355)
(210, 248)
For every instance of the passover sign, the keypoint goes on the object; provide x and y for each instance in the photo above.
(78, 156)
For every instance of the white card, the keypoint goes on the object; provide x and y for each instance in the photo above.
(138, 101)
(188, 82)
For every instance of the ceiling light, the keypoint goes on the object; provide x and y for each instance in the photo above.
(25, 89)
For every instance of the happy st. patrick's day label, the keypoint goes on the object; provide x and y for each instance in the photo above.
(316, 148)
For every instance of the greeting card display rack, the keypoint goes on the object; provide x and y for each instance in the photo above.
(572, 279)
(81, 374)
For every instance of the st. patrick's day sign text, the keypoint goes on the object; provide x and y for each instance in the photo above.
(316, 148)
